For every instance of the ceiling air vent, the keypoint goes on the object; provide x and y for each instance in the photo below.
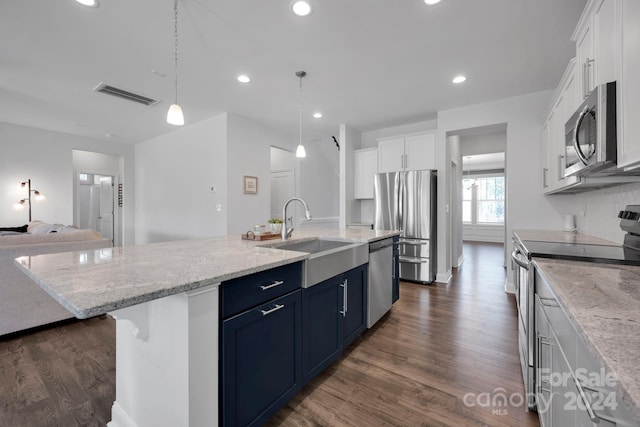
(125, 94)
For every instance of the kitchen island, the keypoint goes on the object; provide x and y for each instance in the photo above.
(165, 299)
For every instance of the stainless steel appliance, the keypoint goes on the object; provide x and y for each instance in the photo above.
(525, 250)
(379, 296)
(406, 201)
(591, 135)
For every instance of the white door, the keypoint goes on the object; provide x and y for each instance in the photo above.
(105, 217)
(282, 189)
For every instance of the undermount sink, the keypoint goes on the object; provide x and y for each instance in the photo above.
(328, 257)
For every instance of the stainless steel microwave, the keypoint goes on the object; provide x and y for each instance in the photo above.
(591, 134)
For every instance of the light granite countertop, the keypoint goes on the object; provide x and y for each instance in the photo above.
(558, 236)
(94, 282)
(603, 303)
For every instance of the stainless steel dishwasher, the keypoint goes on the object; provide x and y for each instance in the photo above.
(380, 280)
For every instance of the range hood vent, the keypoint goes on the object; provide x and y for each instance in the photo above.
(125, 94)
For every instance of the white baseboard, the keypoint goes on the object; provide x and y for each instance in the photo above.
(460, 260)
(509, 287)
(119, 417)
(444, 277)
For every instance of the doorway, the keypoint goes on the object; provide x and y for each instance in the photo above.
(283, 181)
(96, 204)
(97, 189)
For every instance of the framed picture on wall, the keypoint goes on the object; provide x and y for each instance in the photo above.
(250, 184)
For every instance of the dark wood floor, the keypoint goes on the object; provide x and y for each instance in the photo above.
(438, 344)
(61, 376)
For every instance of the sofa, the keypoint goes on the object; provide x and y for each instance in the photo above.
(23, 304)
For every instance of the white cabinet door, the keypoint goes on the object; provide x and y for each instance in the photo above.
(629, 86)
(420, 151)
(585, 60)
(391, 155)
(545, 156)
(365, 166)
(606, 46)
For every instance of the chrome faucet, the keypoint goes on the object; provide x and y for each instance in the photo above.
(286, 232)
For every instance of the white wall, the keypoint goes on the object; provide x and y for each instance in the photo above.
(174, 175)
(46, 158)
(526, 207)
(320, 180)
(99, 164)
(350, 140)
(482, 144)
(249, 153)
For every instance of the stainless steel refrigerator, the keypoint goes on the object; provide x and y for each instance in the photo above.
(406, 201)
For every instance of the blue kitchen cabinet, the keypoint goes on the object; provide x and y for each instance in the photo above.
(321, 326)
(354, 320)
(395, 272)
(260, 344)
(334, 314)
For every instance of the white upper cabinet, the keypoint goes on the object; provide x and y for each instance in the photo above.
(410, 152)
(420, 151)
(596, 46)
(365, 166)
(563, 104)
(628, 89)
(391, 155)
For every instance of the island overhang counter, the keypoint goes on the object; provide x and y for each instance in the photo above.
(165, 299)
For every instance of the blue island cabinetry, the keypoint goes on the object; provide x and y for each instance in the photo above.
(334, 313)
(275, 336)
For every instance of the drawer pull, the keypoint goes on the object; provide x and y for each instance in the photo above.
(276, 308)
(273, 285)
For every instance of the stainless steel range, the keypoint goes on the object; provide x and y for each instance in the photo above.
(525, 250)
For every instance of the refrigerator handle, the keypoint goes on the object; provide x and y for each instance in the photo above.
(400, 202)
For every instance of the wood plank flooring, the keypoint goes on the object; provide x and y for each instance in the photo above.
(60, 376)
(438, 344)
(414, 368)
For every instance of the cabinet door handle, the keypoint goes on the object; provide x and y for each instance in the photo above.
(551, 302)
(345, 305)
(544, 177)
(275, 308)
(560, 167)
(584, 80)
(273, 285)
(587, 404)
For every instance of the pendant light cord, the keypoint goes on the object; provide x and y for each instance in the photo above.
(175, 46)
(300, 107)
(300, 74)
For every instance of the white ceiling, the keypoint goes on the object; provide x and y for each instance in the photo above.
(370, 63)
(483, 162)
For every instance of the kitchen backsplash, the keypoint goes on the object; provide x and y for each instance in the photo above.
(601, 209)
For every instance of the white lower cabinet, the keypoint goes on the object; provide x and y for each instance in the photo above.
(572, 388)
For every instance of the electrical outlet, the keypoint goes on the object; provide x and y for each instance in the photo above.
(219, 207)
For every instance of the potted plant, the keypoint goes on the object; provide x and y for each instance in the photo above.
(275, 225)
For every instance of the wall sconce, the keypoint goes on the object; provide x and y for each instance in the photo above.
(38, 197)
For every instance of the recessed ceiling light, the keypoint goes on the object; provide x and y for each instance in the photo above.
(242, 78)
(317, 115)
(89, 3)
(459, 79)
(431, 2)
(301, 8)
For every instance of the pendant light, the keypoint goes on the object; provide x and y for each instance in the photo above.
(174, 115)
(300, 151)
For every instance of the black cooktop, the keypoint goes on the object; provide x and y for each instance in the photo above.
(582, 252)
